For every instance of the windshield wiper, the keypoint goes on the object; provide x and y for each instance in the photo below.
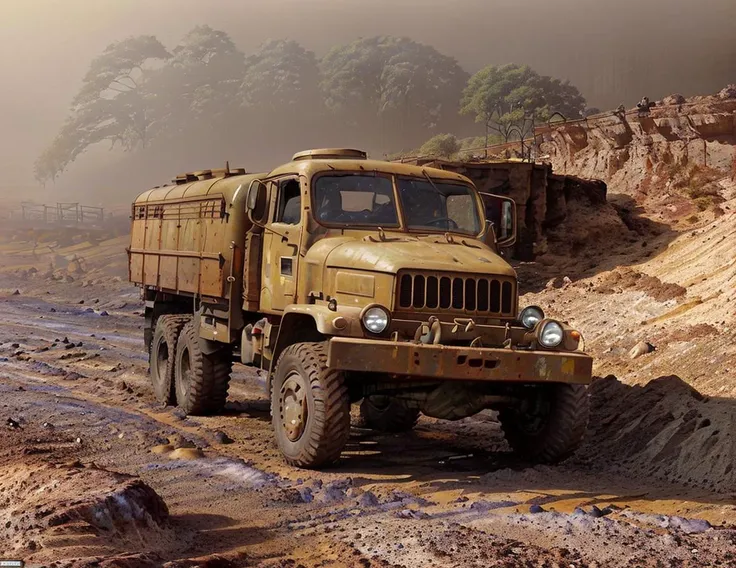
(431, 182)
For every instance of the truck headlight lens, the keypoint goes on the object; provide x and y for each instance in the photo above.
(531, 316)
(375, 319)
(551, 334)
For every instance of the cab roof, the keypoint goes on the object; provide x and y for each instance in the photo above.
(309, 167)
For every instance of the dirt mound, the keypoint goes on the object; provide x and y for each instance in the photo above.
(664, 429)
(622, 279)
(53, 512)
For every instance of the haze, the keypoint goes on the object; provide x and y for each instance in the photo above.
(614, 52)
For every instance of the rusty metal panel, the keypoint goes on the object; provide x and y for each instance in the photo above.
(458, 363)
(188, 274)
(213, 273)
(152, 242)
(252, 276)
(136, 268)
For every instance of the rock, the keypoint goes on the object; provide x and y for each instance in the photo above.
(411, 514)
(566, 281)
(13, 423)
(728, 92)
(490, 505)
(595, 512)
(89, 311)
(578, 512)
(690, 526)
(535, 509)
(53, 310)
(16, 293)
(65, 340)
(48, 425)
(222, 438)
(335, 491)
(461, 499)
(641, 348)
(80, 302)
(676, 99)
(368, 499)
(104, 313)
(179, 413)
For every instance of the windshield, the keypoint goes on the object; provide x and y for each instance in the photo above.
(358, 199)
(438, 205)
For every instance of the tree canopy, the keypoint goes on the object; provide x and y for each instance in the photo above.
(204, 97)
(403, 83)
(510, 99)
(110, 105)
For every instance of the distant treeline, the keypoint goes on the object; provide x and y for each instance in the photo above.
(205, 98)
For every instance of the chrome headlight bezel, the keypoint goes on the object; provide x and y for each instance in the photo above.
(530, 316)
(551, 334)
(375, 319)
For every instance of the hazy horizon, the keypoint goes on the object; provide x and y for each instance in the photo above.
(653, 48)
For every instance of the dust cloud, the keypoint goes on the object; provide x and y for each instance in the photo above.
(614, 52)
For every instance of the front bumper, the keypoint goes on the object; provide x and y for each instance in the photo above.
(458, 363)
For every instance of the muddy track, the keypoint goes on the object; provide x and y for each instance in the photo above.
(447, 494)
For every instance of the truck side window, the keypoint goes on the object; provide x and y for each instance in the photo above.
(290, 203)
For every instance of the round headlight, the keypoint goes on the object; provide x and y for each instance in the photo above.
(531, 316)
(551, 334)
(375, 319)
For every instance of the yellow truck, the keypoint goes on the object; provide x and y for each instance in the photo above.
(351, 280)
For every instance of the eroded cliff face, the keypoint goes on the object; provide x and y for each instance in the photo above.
(681, 154)
(555, 212)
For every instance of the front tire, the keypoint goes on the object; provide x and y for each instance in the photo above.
(163, 356)
(388, 414)
(201, 380)
(549, 426)
(310, 407)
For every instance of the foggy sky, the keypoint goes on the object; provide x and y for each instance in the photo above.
(650, 47)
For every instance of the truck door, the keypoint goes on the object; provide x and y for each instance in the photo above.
(281, 245)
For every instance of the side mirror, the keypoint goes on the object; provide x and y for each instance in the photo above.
(256, 202)
(501, 216)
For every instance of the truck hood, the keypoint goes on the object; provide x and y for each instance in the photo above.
(393, 255)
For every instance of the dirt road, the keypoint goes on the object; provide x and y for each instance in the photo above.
(95, 473)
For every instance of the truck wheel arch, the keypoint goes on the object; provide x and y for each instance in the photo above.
(314, 322)
(294, 328)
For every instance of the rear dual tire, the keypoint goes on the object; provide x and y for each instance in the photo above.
(201, 380)
(162, 356)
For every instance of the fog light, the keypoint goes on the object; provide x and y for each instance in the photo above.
(375, 319)
(551, 334)
(531, 316)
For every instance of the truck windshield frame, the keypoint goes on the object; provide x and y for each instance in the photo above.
(396, 202)
(430, 205)
(355, 199)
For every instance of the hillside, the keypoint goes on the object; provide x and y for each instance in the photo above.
(673, 284)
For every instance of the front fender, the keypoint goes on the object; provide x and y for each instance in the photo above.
(345, 321)
(314, 322)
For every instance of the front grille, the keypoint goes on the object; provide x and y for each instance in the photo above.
(461, 293)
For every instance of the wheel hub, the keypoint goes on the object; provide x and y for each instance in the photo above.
(294, 412)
